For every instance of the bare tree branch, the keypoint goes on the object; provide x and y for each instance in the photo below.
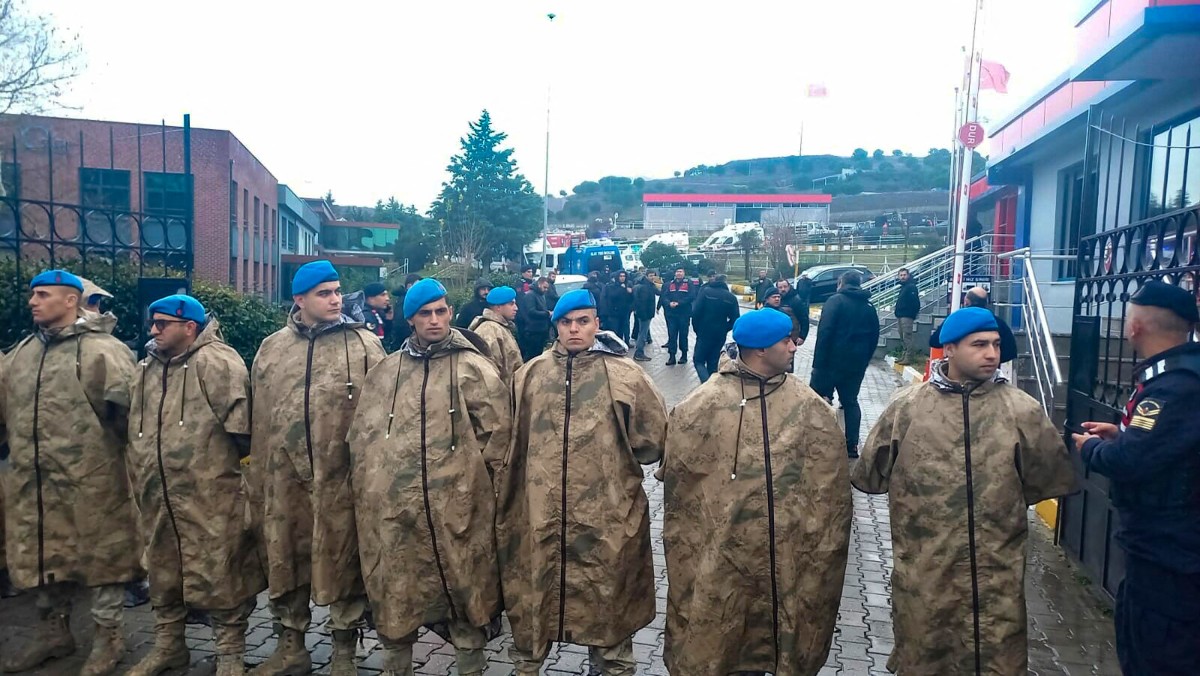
(35, 64)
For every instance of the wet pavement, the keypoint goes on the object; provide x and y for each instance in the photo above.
(1070, 625)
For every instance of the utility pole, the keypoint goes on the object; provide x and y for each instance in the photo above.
(546, 184)
(971, 114)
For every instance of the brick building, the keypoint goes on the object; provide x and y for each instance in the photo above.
(134, 174)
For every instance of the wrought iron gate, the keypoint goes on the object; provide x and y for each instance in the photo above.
(98, 211)
(1138, 223)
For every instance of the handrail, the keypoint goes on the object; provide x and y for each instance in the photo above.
(1040, 312)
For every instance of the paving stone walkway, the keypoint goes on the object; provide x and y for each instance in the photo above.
(1070, 627)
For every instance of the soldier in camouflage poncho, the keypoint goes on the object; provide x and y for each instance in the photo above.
(961, 457)
(70, 515)
(756, 527)
(434, 415)
(189, 427)
(307, 379)
(495, 326)
(573, 524)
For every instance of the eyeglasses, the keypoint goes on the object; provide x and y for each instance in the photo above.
(161, 324)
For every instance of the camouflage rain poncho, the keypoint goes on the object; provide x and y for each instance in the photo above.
(306, 384)
(942, 477)
(497, 332)
(756, 533)
(433, 420)
(64, 399)
(188, 414)
(571, 507)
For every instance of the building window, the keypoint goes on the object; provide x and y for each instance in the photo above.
(10, 180)
(1070, 206)
(371, 240)
(245, 207)
(104, 188)
(256, 213)
(168, 195)
(1174, 169)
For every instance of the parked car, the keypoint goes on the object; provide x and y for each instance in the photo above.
(566, 283)
(825, 279)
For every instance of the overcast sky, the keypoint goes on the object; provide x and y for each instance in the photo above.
(369, 99)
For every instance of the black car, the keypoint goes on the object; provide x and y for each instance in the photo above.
(825, 279)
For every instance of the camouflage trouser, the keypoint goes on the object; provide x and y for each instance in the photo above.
(468, 649)
(108, 602)
(292, 610)
(229, 626)
(614, 661)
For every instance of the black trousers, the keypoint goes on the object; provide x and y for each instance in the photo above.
(677, 335)
(707, 356)
(618, 324)
(825, 381)
(1157, 620)
(531, 344)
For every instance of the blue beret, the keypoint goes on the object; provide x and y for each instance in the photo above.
(761, 329)
(181, 306)
(57, 278)
(311, 274)
(579, 299)
(422, 293)
(501, 295)
(966, 321)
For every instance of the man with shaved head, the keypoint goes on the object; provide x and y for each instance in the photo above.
(1153, 463)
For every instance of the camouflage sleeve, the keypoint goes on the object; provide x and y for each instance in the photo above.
(227, 387)
(872, 472)
(491, 414)
(1045, 464)
(373, 347)
(826, 533)
(647, 420)
(3, 407)
(111, 382)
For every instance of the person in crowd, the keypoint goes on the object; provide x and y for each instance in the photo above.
(792, 302)
(377, 311)
(552, 292)
(961, 456)
(474, 307)
(757, 519)
(496, 326)
(533, 320)
(526, 282)
(434, 422)
(307, 379)
(1153, 463)
(713, 313)
(596, 286)
(761, 286)
(64, 407)
(846, 340)
(186, 441)
(93, 295)
(977, 296)
(573, 520)
(7, 590)
(774, 300)
(676, 303)
(908, 306)
(645, 298)
(400, 328)
(618, 303)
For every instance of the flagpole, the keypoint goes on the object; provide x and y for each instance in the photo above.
(801, 152)
(546, 184)
(971, 113)
(952, 191)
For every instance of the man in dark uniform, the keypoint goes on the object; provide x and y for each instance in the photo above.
(1153, 461)
(676, 303)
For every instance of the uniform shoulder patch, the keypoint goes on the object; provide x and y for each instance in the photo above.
(1149, 408)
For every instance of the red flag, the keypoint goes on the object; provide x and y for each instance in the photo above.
(817, 91)
(993, 76)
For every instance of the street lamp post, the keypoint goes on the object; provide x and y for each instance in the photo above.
(546, 183)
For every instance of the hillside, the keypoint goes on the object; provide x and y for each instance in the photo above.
(862, 172)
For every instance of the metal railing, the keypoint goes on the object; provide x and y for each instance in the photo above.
(1043, 356)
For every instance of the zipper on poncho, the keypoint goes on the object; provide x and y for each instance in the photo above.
(37, 470)
(162, 471)
(562, 532)
(971, 527)
(437, 557)
(312, 342)
(762, 398)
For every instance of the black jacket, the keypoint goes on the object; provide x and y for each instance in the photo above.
(715, 311)
(761, 288)
(533, 313)
(597, 290)
(908, 305)
(799, 310)
(804, 290)
(682, 293)
(848, 333)
(1008, 342)
(469, 311)
(618, 301)
(644, 296)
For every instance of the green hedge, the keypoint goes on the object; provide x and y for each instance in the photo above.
(245, 320)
